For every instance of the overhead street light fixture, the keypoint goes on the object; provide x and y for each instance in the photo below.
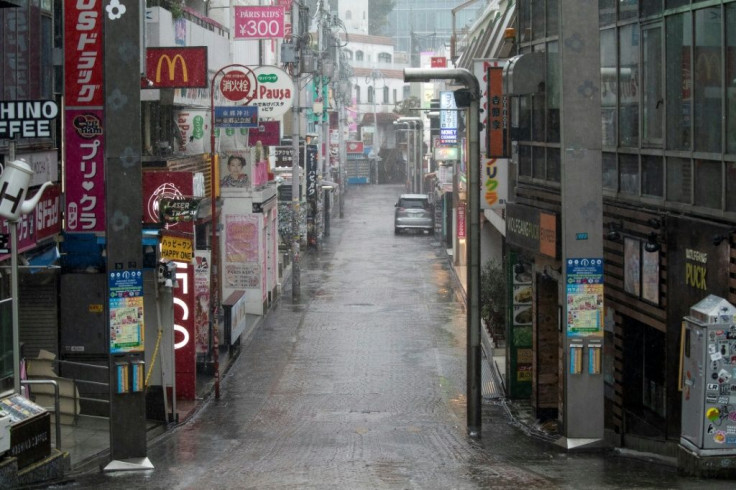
(464, 77)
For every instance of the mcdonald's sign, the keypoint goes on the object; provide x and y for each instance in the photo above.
(176, 67)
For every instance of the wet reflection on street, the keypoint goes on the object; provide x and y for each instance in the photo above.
(362, 386)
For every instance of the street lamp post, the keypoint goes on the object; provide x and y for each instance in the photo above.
(415, 123)
(466, 78)
(375, 75)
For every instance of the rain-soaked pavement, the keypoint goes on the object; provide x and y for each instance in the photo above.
(362, 386)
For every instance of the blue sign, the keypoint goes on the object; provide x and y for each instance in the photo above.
(584, 271)
(236, 117)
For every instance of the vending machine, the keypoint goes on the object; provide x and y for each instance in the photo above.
(709, 378)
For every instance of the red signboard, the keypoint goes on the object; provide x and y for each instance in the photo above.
(83, 49)
(48, 213)
(267, 132)
(239, 86)
(438, 62)
(176, 67)
(355, 147)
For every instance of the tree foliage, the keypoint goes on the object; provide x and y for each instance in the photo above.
(378, 11)
(493, 298)
(408, 107)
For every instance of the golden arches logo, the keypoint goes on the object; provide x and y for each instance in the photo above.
(171, 63)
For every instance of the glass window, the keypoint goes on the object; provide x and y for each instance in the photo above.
(359, 56)
(538, 17)
(553, 165)
(670, 4)
(652, 176)
(731, 187)
(384, 57)
(552, 90)
(525, 22)
(629, 174)
(652, 94)
(708, 180)
(650, 7)
(707, 84)
(371, 97)
(385, 95)
(679, 84)
(538, 162)
(629, 86)
(679, 179)
(731, 77)
(609, 87)
(525, 115)
(628, 9)
(525, 160)
(610, 171)
(606, 12)
(552, 24)
(357, 94)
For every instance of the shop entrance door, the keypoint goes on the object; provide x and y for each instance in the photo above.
(546, 376)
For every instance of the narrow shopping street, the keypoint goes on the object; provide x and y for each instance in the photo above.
(361, 385)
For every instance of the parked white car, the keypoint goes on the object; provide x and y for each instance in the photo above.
(413, 212)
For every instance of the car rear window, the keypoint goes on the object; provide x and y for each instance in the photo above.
(413, 203)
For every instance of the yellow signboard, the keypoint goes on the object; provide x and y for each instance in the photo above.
(178, 249)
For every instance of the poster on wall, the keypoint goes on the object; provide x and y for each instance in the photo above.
(650, 277)
(202, 300)
(584, 297)
(126, 311)
(632, 266)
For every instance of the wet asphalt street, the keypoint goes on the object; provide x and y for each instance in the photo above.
(362, 386)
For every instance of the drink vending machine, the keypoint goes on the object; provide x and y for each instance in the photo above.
(708, 366)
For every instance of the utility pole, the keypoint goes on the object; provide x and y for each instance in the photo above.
(295, 177)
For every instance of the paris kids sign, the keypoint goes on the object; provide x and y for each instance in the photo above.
(265, 22)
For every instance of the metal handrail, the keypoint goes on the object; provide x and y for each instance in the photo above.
(57, 408)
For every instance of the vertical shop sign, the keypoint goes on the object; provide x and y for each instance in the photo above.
(498, 117)
(184, 354)
(461, 220)
(584, 297)
(311, 171)
(448, 118)
(84, 117)
(126, 311)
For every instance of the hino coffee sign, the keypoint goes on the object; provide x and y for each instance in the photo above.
(27, 118)
(275, 92)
